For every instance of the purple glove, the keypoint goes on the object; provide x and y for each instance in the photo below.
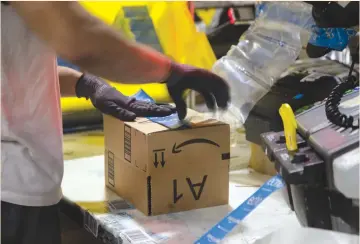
(110, 101)
(183, 77)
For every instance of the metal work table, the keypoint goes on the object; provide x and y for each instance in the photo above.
(113, 220)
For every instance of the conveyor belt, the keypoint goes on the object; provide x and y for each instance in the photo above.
(81, 118)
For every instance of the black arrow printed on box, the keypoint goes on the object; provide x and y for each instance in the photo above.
(162, 162)
(176, 149)
(156, 161)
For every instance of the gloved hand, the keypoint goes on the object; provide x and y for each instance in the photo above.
(110, 101)
(183, 77)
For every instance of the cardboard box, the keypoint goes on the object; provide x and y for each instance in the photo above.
(161, 171)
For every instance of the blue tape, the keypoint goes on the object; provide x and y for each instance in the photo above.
(226, 225)
(298, 96)
(259, 8)
(143, 96)
(334, 38)
(172, 121)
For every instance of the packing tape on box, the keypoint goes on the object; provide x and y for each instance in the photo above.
(172, 121)
(217, 233)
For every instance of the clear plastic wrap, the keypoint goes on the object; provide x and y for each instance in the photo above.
(270, 45)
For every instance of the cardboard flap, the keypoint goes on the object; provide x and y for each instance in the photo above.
(146, 126)
(196, 119)
(193, 120)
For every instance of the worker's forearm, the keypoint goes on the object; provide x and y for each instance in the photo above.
(68, 78)
(111, 56)
(89, 43)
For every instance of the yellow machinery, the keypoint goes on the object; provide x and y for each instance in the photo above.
(172, 27)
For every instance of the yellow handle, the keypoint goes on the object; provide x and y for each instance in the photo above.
(290, 126)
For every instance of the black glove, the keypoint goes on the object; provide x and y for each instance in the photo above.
(354, 48)
(110, 101)
(183, 77)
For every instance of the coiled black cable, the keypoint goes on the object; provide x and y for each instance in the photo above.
(332, 111)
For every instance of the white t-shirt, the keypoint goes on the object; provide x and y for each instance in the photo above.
(31, 118)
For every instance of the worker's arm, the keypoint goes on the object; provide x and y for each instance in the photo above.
(94, 46)
(87, 42)
(68, 78)
(106, 98)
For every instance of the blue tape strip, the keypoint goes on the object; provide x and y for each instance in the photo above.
(226, 225)
(334, 38)
(172, 121)
(259, 8)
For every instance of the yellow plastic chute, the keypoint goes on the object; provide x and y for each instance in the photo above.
(176, 33)
(206, 15)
